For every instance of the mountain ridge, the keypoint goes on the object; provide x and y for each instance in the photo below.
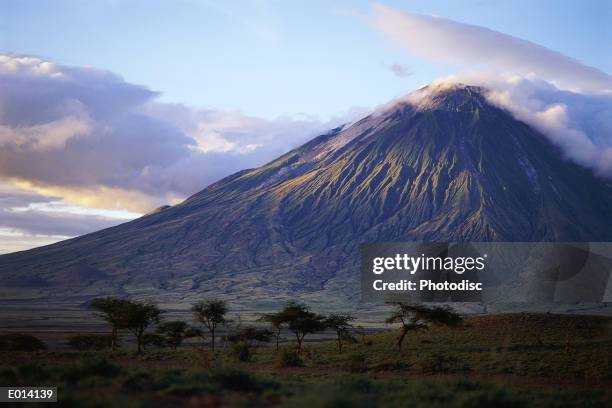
(442, 165)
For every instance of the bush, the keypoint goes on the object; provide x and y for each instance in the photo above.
(20, 342)
(352, 383)
(343, 391)
(200, 382)
(441, 363)
(241, 351)
(356, 363)
(86, 342)
(90, 367)
(289, 358)
(238, 380)
(33, 374)
(8, 376)
(332, 400)
(392, 365)
(139, 381)
(498, 398)
(151, 339)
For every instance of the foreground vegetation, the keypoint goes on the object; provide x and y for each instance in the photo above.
(98, 383)
(508, 360)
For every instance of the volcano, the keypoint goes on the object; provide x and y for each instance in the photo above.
(442, 165)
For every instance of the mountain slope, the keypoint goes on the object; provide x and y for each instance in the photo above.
(446, 166)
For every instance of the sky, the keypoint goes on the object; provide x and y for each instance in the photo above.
(111, 108)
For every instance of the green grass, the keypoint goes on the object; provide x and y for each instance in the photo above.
(547, 346)
(511, 360)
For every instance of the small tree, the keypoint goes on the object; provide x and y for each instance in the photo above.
(211, 313)
(249, 334)
(301, 321)
(417, 317)
(141, 315)
(113, 311)
(152, 339)
(340, 323)
(242, 341)
(277, 321)
(175, 332)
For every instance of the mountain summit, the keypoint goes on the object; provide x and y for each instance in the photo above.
(440, 165)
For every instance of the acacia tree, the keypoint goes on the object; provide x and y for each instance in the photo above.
(141, 315)
(301, 321)
(175, 332)
(277, 321)
(210, 313)
(249, 334)
(243, 340)
(340, 323)
(113, 311)
(418, 317)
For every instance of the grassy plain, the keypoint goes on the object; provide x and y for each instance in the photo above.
(504, 360)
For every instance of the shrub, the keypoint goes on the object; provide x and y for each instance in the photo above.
(8, 376)
(151, 339)
(241, 351)
(352, 383)
(356, 363)
(342, 391)
(392, 365)
(20, 342)
(289, 358)
(186, 383)
(90, 367)
(139, 381)
(199, 382)
(498, 398)
(331, 400)
(441, 363)
(33, 374)
(238, 380)
(165, 378)
(84, 342)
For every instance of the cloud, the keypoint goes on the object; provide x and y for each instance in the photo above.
(28, 219)
(54, 134)
(579, 123)
(401, 71)
(35, 222)
(564, 99)
(450, 41)
(92, 138)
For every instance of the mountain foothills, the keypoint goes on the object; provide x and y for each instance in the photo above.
(443, 165)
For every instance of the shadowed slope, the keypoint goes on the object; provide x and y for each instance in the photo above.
(448, 167)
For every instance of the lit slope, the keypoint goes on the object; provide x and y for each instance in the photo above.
(448, 167)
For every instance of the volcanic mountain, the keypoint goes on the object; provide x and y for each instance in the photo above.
(444, 165)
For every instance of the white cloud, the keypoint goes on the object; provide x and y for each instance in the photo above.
(400, 70)
(51, 135)
(579, 123)
(450, 41)
(28, 219)
(95, 140)
(569, 102)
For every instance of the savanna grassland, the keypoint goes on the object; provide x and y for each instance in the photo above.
(505, 360)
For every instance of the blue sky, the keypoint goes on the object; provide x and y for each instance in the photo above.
(111, 108)
(271, 58)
